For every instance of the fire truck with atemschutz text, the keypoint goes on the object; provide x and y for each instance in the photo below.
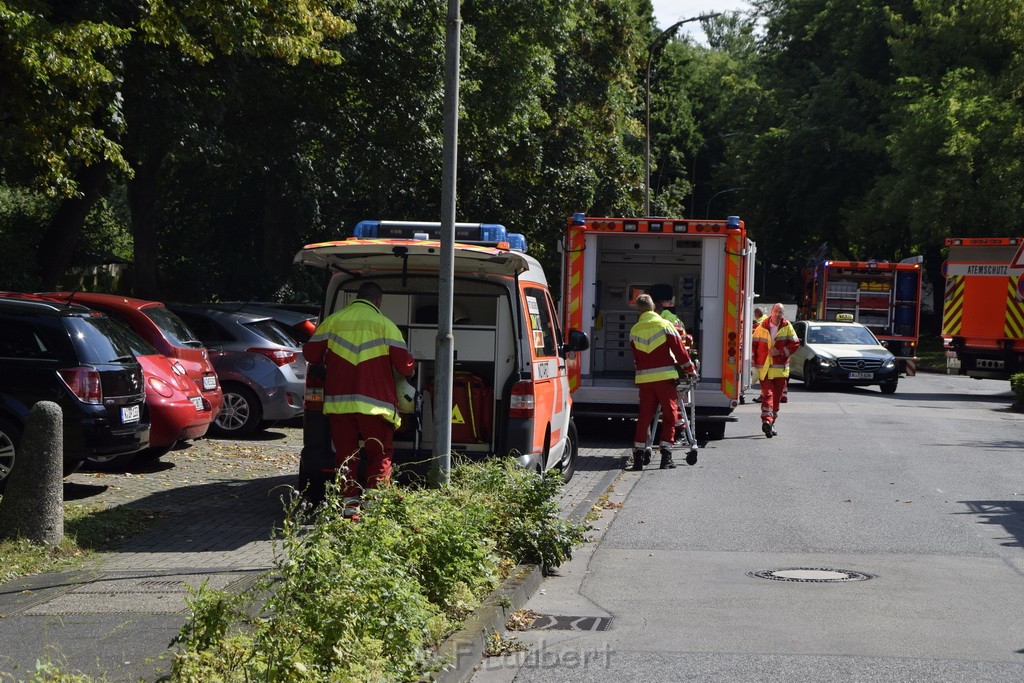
(983, 311)
(883, 296)
(608, 262)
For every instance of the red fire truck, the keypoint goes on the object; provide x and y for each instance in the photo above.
(608, 262)
(983, 312)
(883, 296)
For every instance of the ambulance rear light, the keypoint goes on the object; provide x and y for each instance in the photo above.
(522, 402)
(464, 232)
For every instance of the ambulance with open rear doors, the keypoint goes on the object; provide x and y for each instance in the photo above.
(608, 262)
(508, 344)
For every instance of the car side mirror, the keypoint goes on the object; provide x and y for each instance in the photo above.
(578, 341)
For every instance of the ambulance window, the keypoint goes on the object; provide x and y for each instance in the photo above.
(542, 330)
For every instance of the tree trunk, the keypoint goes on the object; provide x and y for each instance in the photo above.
(61, 239)
(142, 195)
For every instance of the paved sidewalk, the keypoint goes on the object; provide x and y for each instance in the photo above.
(218, 503)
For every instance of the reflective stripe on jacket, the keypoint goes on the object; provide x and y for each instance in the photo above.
(657, 349)
(360, 346)
(786, 341)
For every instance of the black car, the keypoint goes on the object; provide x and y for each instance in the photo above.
(74, 357)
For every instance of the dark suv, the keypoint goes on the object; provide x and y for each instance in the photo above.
(72, 356)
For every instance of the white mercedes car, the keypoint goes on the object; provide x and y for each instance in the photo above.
(842, 353)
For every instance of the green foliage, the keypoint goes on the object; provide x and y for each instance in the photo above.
(1017, 385)
(370, 600)
(22, 212)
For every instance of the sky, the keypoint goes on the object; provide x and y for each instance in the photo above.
(669, 12)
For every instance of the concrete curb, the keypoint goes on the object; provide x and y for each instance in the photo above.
(463, 651)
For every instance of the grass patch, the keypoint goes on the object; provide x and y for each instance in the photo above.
(88, 530)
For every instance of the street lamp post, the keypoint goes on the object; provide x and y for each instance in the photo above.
(707, 213)
(662, 37)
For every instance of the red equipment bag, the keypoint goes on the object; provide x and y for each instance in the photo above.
(472, 407)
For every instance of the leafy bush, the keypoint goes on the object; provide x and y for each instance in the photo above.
(1017, 385)
(371, 600)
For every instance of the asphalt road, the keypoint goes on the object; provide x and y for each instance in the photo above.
(919, 494)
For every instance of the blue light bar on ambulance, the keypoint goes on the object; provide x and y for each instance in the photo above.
(492, 233)
(464, 232)
(733, 221)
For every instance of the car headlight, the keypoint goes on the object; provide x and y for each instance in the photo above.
(889, 364)
(826, 362)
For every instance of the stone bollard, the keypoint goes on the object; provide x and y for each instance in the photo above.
(33, 504)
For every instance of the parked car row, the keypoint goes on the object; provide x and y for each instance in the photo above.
(135, 377)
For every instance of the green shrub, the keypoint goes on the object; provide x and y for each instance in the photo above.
(1017, 385)
(370, 601)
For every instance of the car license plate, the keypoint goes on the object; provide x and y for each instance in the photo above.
(209, 382)
(197, 401)
(129, 414)
(861, 375)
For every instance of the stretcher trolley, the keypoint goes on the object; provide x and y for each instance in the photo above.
(686, 433)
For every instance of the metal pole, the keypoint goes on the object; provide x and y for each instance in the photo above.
(445, 343)
(663, 36)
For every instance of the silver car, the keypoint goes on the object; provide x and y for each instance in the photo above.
(260, 367)
(842, 353)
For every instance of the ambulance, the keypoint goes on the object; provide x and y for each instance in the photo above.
(608, 262)
(983, 310)
(510, 388)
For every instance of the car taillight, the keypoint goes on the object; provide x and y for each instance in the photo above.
(314, 397)
(522, 402)
(279, 356)
(160, 387)
(84, 383)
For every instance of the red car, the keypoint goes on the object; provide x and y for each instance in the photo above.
(177, 410)
(152, 321)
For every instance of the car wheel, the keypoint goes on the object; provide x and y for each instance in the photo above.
(811, 381)
(10, 437)
(889, 387)
(241, 414)
(572, 449)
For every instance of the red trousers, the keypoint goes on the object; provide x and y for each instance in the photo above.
(772, 392)
(376, 434)
(651, 395)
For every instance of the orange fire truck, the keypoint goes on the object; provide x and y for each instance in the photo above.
(883, 296)
(608, 262)
(983, 312)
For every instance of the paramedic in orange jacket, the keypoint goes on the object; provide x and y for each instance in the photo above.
(362, 350)
(774, 342)
(657, 350)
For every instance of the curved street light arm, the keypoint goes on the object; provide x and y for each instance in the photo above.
(662, 37)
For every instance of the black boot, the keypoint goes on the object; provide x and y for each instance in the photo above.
(666, 460)
(638, 460)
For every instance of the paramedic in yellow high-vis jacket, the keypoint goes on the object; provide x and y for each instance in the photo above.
(774, 342)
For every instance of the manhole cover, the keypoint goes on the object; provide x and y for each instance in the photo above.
(561, 622)
(811, 575)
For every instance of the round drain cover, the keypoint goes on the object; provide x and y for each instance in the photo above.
(811, 575)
